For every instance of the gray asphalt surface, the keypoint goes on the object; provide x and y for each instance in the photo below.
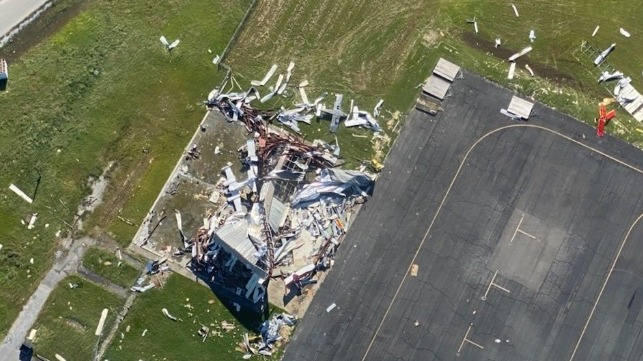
(64, 265)
(13, 12)
(547, 213)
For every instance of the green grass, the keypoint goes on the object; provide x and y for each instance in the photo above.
(68, 322)
(101, 88)
(124, 275)
(382, 49)
(169, 340)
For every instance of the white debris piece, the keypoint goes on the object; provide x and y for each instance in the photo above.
(529, 69)
(624, 32)
(167, 314)
(378, 107)
(101, 322)
(512, 69)
(31, 260)
(144, 332)
(32, 221)
(22, 194)
(179, 221)
(60, 358)
(269, 74)
(215, 61)
(1, 247)
(497, 44)
(289, 71)
(532, 35)
(519, 54)
(515, 10)
(595, 30)
(475, 26)
(331, 307)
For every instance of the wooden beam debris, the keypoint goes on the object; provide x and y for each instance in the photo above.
(22, 194)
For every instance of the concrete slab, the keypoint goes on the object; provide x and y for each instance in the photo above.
(452, 191)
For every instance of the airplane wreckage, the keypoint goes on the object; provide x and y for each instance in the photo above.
(286, 217)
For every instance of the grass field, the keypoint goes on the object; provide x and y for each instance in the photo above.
(169, 340)
(378, 49)
(100, 88)
(106, 264)
(67, 324)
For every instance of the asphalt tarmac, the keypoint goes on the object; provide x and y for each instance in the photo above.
(525, 235)
(13, 12)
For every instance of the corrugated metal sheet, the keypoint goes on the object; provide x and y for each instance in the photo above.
(436, 87)
(520, 107)
(234, 239)
(635, 107)
(277, 214)
(446, 70)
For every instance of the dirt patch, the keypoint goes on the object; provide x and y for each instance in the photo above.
(54, 18)
(75, 325)
(430, 38)
(503, 53)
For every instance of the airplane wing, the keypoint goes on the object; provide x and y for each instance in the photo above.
(337, 108)
(174, 44)
(164, 41)
(230, 178)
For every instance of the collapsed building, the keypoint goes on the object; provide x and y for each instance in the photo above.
(284, 219)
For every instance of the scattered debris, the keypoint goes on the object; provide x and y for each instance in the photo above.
(144, 333)
(32, 222)
(167, 45)
(267, 77)
(529, 69)
(59, 358)
(331, 307)
(474, 22)
(603, 55)
(497, 43)
(595, 30)
(519, 54)
(515, 10)
(532, 35)
(32, 334)
(512, 69)
(167, 314)
(414, 270)
(101, 322)
(624, 32)
(203, 332)
(22, 194)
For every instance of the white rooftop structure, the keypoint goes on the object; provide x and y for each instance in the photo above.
(634, 107)
(520, 107)
(436, 87)
(446, 70)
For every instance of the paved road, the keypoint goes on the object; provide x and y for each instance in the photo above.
(13, 12)
(470, 193)
(63, 266)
